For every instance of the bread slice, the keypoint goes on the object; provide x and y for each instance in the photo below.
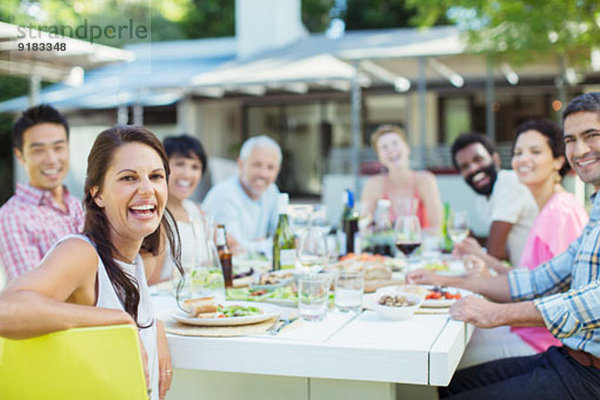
(200, 305)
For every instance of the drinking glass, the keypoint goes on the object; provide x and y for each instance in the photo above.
(299, 219)
(206, 278)
(408, 234)
(203, 233)
(405, 206)
(348, 289)
(318, 219)
(312, 254)
(313, 292)
(458, 226)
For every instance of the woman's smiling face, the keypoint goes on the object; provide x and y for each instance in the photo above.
(186, 173)
(392, 151)
(134, 192)
(532, 159)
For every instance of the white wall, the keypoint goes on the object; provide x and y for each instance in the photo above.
(266, 24)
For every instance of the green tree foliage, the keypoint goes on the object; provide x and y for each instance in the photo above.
(363, 14)
(209, 19)
(521, 29)
(315, 14)
(377, 14)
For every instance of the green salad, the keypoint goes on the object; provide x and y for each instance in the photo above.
(238, 311)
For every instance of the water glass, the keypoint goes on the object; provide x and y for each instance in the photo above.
(313, 293)
(349, 287)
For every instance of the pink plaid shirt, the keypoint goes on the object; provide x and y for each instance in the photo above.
(30, 223)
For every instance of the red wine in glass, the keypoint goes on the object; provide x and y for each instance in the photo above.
(407, 247)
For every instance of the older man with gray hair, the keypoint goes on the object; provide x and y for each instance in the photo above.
(247, 202)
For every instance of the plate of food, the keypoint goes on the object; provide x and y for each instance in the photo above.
(397, 305)
(274, 279)
(433, 296)
(204, 311)
(439, 297)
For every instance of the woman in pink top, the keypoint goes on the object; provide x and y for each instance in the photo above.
(400, 181)
(538, 159)
(540, 165)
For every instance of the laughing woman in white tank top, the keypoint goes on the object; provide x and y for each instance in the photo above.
(98, 278)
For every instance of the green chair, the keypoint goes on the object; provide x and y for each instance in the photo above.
(99, 363)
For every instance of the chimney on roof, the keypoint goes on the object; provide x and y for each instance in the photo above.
(266, 24)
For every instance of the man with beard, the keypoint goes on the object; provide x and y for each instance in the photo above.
(247, 202)
(504, 202)
(42, 210)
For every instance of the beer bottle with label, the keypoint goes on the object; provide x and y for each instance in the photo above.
(225, 255)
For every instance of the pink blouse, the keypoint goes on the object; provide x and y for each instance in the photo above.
(558, 224)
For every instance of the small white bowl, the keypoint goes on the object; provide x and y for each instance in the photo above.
(400, 312)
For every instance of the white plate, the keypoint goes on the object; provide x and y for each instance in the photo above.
(441, 303)
(268, 312)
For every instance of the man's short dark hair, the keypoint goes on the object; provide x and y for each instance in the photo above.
(44, 113)
(185, 146)
(467, 139)
(588, 102)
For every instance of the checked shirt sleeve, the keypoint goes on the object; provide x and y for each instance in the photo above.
(569, 313)
(18, 251)
(551, 277)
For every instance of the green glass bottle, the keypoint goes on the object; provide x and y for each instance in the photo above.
(446, 245)
(284, 244)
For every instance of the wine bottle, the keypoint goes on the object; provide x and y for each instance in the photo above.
(225, 256)
(284, 244)
(349, 221)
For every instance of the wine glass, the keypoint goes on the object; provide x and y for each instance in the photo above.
(408, 234)
(318, 219)
(312, 254)
(458, 226)
(299, 219)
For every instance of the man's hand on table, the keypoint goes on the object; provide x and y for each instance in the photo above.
(478, 311)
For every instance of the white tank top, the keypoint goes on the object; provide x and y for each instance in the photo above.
(107, 298)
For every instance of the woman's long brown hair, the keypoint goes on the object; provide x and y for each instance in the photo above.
(97, 226)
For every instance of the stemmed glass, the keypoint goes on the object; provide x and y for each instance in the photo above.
(299, 219)
(458, 226)
(312, 254)
(318, 219)
(408, 234)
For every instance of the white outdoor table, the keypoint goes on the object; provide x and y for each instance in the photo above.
(346, 356)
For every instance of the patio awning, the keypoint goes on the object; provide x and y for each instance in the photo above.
(52, 65)
(158, 75)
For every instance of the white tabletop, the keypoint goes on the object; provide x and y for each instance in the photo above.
(422, 350)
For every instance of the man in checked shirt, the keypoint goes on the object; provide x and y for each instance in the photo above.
(562, 294)
(41, 211)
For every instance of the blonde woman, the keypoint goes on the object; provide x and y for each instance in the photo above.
(399, 181)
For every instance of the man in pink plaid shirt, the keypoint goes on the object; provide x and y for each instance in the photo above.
(41, 211)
